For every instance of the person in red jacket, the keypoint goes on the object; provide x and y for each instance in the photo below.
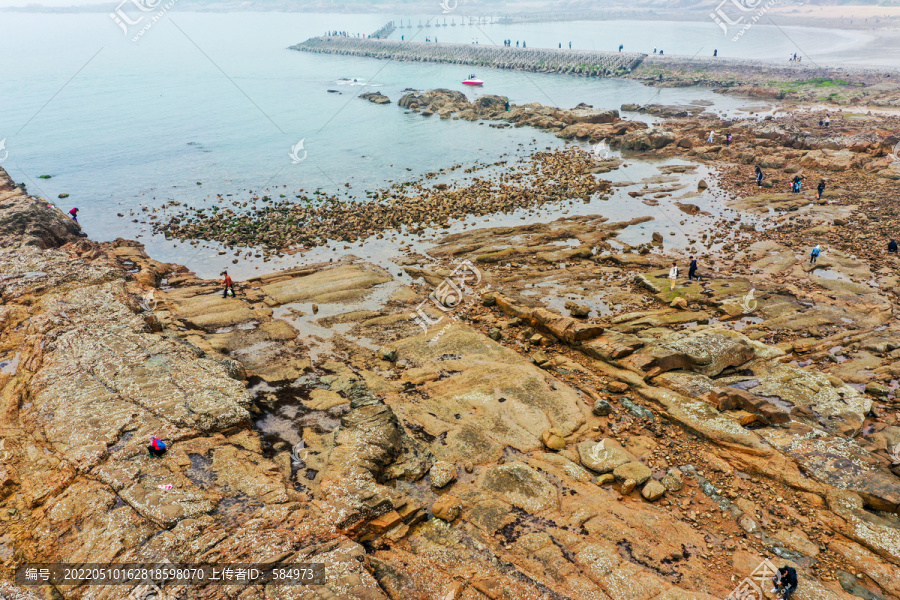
(227, 285)
(74, 214)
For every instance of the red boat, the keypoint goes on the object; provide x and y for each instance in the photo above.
(472, 80)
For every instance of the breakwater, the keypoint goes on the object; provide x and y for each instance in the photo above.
(542, 60)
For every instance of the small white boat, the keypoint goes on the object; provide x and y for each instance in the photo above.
(472, 80)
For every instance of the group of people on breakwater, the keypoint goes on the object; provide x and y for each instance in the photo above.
(508, 44)
(344, 34)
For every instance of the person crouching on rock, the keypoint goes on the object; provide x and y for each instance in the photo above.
(157, 447)
(673, 276)
(227, 285)
(785, 582)
(892, 247)
(814, 255)
(74, 214)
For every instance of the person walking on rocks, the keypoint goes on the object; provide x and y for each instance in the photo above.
(712, 137)
(892, 247)
(227, 284)
(692, 270)
(759, 176)
(785, 582)
(821, 188)
(814, 255)
(673, 276)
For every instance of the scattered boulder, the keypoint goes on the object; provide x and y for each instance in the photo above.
(635, 470)
(553, 440)
(447, 508)
(679, 302)
(602, 408)
(442, 473)
(617, 387)
(375, 97)
(603, 456)
(606, 479)
(673, 480)
(653, 490)
(580, 311)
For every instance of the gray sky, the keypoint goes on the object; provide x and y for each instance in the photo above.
(7, 3)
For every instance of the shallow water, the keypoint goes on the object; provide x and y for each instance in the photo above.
(208, 104)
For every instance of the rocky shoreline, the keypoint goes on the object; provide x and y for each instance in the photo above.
(538, 415)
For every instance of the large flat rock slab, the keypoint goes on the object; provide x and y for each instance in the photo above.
(485, 398)
(341, 284)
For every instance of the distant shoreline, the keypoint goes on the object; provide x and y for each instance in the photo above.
(860, 18)
(804, 81)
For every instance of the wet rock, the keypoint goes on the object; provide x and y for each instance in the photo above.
(577, 310)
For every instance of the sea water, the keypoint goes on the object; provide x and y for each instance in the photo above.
(205, 104)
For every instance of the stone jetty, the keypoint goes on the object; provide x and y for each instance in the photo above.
(542, 60)
(385, 31)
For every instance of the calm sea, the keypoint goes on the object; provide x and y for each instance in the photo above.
(218, 100)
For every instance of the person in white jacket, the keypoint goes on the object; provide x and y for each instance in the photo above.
(673, 275)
